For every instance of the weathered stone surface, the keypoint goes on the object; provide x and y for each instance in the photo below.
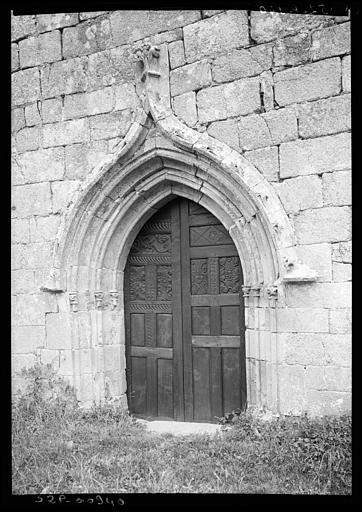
(52, 110)
(337, 188)
(42, 165)
(38, 254)
(22, 281)
(331, 41)
(27, 139)
(58, 334)
(66, 132)
(17, 119)
(324, 117)
(342, 252)
(308, 82)
(266, 26)
(266, 161)
(237, 98)
(86, 38)
(291, 389)
(300, 193)
(331, 378)
(225, 131)
(25, 86)
(65, 77)
(27, 339)
(89, 15)
(340, 321)
(31, 309)
(41, 49)
(326, 295)
(44, 228)
(110, 67)
(106, 126)
(80, 159)
(32, 199)
(293, 50)
(318, 257)
(20, 361)
(303, 320)
(328, 402)
(20, 231)
(32, 115)
(47, 22)
(208, 13)
(266, 91)
(50, 357)
(176, 53)
(328, 224)
(185, 108)
(346, 73)
(215, 35)
(237, 64)
(66, 363)
(342, 272)
(62, 192)
(314, 156)
(124, 96)
(22, 26)
(282, 124)
(86, 104)
(316, 349)
(130, 26)
(14, 57)
(167, 37)
(253, 132)
(190, 77)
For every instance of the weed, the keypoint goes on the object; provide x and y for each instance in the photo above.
(59, 447)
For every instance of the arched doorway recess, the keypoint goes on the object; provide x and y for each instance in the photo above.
(184, 317)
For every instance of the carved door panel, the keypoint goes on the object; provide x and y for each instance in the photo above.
(184, 317)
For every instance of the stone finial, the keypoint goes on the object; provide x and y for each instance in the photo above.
(73, 301)
(98, 296)
(148, 54)
(114, 298)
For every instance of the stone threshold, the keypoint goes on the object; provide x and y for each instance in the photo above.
(180, 427)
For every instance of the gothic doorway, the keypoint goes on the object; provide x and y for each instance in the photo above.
(184, 317)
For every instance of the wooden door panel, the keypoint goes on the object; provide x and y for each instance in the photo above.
(184, 317)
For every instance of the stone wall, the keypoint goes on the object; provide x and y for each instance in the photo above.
(275, 87)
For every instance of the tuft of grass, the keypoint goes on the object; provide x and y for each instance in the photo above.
(60, 448)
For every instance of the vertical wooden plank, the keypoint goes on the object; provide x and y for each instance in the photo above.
(127, 327)
(213, 275)
(164, 330)
(201, 378)
(216, 383)
(201, 320)
(165, 389)
(186, 310)
(231, 379)
(152, 386)
(137, 388)
(137, 329)
(178, 377)
(215, 320)
(151, 282)
(150, 320)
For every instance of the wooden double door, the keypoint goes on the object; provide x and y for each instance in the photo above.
(184, 317)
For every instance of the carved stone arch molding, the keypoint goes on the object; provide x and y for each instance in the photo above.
(161, 158)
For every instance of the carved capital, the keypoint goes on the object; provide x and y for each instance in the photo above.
(114, 298)
(272, 292)
(98, 296)
(246, 290)
(73, 301)
(256, 290)
(149, 55)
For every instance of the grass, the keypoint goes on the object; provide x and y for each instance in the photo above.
(59, 448)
